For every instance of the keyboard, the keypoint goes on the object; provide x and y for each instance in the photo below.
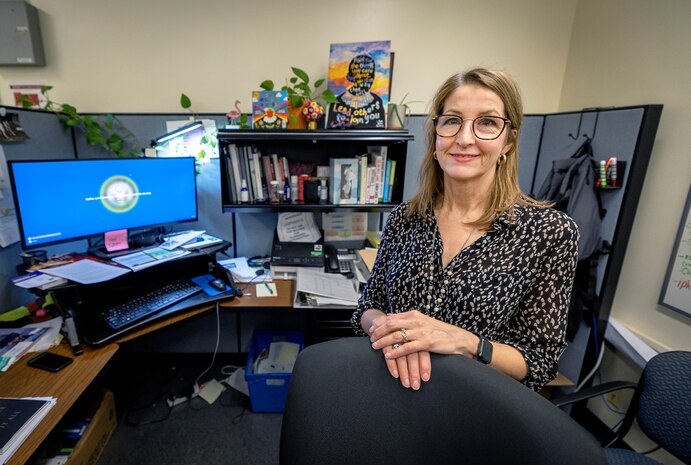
(140, 307)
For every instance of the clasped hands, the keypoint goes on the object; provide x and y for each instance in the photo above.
(405, 340)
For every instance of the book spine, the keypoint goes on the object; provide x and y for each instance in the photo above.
(276, 168)
(236, 168)
(383, 150)
(258, 170)
(387, 175)
(362, 199)
(392, 180)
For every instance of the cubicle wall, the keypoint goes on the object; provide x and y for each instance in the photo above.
(626, 133)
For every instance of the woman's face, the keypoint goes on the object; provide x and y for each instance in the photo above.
(463, 157)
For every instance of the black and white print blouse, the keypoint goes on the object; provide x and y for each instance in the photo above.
(512, 285)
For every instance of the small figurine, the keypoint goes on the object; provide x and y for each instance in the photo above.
(313, 112)
(234, 115)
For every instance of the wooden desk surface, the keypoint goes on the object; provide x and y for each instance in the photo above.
(67, 386)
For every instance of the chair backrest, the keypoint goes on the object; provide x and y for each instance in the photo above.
(664, 402)
(343, 407)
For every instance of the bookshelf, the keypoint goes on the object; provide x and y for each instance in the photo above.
(306, 147)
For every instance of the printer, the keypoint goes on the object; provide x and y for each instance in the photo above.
(297, 253)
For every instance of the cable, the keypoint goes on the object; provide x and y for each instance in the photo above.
(258, 273)
(197, 387)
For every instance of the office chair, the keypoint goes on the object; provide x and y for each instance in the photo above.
(343, 407)
(661, 404)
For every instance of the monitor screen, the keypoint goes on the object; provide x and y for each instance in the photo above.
(63, 200)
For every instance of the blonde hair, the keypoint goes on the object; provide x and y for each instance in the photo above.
(505, 191)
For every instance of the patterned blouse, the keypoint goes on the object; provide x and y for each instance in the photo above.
(512, 285)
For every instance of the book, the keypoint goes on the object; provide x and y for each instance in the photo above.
(344, 180)
(18, 417)
(235, 164)
(362, 197)
(269, 109)
(374, 238)
(392, 180)
(359, 76)
(387, 175)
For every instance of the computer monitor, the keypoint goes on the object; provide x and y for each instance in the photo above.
(63, 200)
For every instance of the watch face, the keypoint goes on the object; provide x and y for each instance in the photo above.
(484, 351)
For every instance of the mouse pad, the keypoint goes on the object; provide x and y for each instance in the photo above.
(203, 282)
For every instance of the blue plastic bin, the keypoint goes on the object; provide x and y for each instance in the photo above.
(268, 391)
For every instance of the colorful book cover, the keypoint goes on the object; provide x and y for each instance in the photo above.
(344, 180)
(269, 109)
(359, 76)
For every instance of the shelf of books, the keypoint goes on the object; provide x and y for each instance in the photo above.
(325, 170)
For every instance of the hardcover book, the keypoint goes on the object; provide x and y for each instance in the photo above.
(269, 109)
(359, 76)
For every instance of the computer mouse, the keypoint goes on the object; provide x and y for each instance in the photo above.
(218, 284)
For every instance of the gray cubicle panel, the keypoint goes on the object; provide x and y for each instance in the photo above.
(627, 134)
(48, 140)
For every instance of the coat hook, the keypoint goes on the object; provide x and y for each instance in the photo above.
(580, 120)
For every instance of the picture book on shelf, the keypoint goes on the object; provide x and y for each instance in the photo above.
(359, 76)
(269, 109)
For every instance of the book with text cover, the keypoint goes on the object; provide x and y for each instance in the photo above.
(18, 417)
(359, 76)
(270, 109)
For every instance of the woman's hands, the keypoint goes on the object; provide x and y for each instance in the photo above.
(407, 338)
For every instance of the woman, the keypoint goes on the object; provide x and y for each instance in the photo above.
(471, 265)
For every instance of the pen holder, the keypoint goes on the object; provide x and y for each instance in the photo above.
(612, 179)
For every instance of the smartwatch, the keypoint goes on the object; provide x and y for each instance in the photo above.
(484, 350)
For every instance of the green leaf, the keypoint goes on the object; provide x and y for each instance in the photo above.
(328, 96)
(95, 138)
(293, 119)
(319, 83)
(267, 85)
(23, 100)
(293, 80)
(69, 110)
(185, 101)
(45, 89)
(304, 88)
(115, 143)
(296, 101)
(301, 74)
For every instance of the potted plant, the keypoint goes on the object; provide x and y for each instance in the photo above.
(299, 93)
(397, 113)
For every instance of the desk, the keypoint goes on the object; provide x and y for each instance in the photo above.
(68, 384)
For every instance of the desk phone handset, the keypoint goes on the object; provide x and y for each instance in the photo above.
(336, 261)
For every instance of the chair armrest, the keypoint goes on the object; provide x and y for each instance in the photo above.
(593, 391)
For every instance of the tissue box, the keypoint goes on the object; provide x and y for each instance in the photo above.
(268, 391)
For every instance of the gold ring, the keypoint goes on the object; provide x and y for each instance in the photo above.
(404, 335)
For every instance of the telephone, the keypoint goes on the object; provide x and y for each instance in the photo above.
(339, 260)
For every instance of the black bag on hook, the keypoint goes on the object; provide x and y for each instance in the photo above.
(571, 185)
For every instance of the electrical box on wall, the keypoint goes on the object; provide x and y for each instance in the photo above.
(20, 35)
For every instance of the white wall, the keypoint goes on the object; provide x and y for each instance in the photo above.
(139, 55)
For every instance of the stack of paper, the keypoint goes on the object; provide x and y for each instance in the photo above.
(150, 257)
(243, 273)
(324, 289)
(15, 342)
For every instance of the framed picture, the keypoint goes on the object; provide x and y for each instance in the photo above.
(676, 290)
(270, 109)
(359, 76)
(344, 180)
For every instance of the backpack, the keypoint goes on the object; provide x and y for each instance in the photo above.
(571, 186)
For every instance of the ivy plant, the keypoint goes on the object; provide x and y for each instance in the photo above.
(104, 131)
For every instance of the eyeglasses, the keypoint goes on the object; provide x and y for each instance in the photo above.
(484, 127)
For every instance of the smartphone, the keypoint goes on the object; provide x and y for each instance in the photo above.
(50, 361)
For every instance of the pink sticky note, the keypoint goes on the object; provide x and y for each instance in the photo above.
(116, 240)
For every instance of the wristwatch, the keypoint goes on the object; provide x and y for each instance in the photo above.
(484, 350)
